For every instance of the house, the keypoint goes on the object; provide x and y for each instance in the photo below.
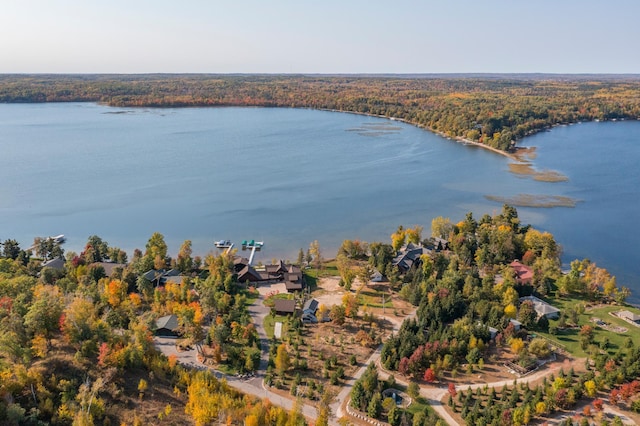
(111, 269)
(160, 277)
(167, 326)
(542, 308)
(493, 332)
(291, 275)
(308, 318)
(57, 264)
(154, 276)
(292, 286)
(276, 271)
(239, 263)
(629, 316)
(293, 280)
(310, 306)
(248, 273)
(408, 256)
(517, 325)
(524, 274)
(440, 244)
(377, 277)
(284, 307)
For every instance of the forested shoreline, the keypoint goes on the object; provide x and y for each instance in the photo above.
(493, 110)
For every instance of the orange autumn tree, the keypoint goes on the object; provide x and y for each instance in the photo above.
(115, 292)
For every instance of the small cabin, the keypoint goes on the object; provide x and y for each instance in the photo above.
(284, 307)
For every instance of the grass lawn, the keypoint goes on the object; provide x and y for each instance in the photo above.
(570, 338)
(251, 296)
(374, 299)
(271, 300)
(270, 323)
(418, 405)
(225, 368)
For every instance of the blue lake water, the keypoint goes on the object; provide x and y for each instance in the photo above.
(288, 177)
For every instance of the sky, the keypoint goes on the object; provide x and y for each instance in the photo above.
(320, 36)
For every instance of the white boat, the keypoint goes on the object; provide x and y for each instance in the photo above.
(223, 244)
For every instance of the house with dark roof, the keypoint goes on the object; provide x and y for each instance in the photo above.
(293, 279)
(284, 307)
(436, 244)
(248, 273)
(154, 276)
(111, 268)
(408, 256)
(57, 264)
(310, 306)
(524, 274)
(276, 271)
(160, 277)
(239, 263)
(167, 326)
(517, 325)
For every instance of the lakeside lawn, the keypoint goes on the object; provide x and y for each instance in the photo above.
(569, 337)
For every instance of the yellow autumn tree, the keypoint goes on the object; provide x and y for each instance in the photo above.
(350, 303)
(398, 238)
(414, 235)
(590, 388)
(517, 345)
(251, 420)
(510, 311)
(282, 359)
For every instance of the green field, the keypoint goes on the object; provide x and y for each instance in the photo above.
(569, 337)
(270, 323)
(373, 299)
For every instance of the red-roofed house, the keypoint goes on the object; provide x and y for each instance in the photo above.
(524, 274)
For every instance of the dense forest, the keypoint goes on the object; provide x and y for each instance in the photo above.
(494, 110)
(76, 340)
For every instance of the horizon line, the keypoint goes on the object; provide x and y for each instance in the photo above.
(337, 74)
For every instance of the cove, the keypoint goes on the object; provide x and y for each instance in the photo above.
(289, 176)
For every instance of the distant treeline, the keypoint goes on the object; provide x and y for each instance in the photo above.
(494, 110)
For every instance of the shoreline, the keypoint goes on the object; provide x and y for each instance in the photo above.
(458, 139)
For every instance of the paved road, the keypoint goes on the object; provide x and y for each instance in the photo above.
(254, 386)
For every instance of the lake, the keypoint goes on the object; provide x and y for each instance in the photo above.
(290, 176)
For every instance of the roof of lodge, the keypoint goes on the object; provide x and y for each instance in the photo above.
(170, 322)
(282, 305)
(249, 271)
(292, 286)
